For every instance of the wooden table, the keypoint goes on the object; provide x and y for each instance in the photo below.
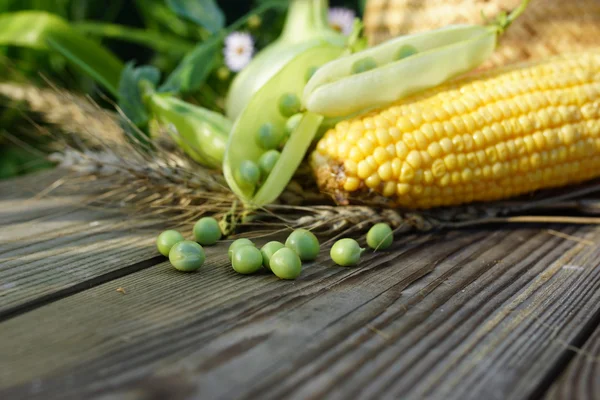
(88, 310)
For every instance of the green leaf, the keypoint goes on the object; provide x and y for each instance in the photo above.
(45, 31)
(193, 70)
(160, 41)
(205, 13)
(362, 5)
(130, 92)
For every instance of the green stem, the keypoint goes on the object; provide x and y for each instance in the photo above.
(305, 16)
(503, 21)
(516, 13)
(158, 41)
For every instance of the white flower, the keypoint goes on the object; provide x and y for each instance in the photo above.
(341, 19)
(238, 51)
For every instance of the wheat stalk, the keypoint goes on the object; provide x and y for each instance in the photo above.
(160, 182)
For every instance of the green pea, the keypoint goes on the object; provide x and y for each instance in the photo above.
(304, 243)
(292, 123)
(268, 250)
(267, 161)
(286, 264)
(238, 243)
(207, 231)
(166, 240)
(346, 252)
(364, 64)
(406, 51)
(187, 256)
(380, 236)
(246, 259)
(248, 173)
(309, 73)
(289, 104)
(268, 137)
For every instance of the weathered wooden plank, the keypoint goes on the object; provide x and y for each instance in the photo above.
(484, 323)
(28, 185)
(53, 247)
(160, 302)
(581, 380)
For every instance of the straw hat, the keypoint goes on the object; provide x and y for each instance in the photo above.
(547, 27)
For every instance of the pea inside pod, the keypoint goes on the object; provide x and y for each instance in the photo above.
(405, 65)
(274, 103)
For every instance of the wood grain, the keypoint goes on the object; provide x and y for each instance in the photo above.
(51, 247)
(28, 185)
(581, 380)
(470, 314)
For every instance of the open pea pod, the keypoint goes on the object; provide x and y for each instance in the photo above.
(269, 107)
(397, 68)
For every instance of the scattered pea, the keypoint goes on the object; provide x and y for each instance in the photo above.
(268, 250)
(289, 104)
(286, 264)
(166, 240)
(267, 161)
(268, 137)
(187, 256)
(207, 231)
(406, 51)
(246, 259)
(304, 243)
(309, 73)
(248, 173)
(380, 236)
(238, 243)
(292, 123)
(364, 64)
(346, 252)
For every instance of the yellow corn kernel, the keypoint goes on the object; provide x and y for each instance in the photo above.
(364, 170)
(401, 150)
(385, 171)
(407, 173)
(402, 189)
(366, 146)
(351, 184)
(373, 181)
(414, 159)
(486, 137)
(383, 137)
(351, 167)
(396, 167)
(435, 150)
(389, 189)
(381, 155)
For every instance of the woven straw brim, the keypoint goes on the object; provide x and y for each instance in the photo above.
(548, 27)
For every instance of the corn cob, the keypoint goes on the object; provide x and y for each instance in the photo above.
(547, 28)
(485, 137)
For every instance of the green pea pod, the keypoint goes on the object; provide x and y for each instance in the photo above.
(266, 107)
(201, 133)
(351, 84)
(305, 27)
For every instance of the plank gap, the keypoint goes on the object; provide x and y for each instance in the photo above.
(77, 288)
(554, 373)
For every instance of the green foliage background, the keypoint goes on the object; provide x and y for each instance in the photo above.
(146, 32)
